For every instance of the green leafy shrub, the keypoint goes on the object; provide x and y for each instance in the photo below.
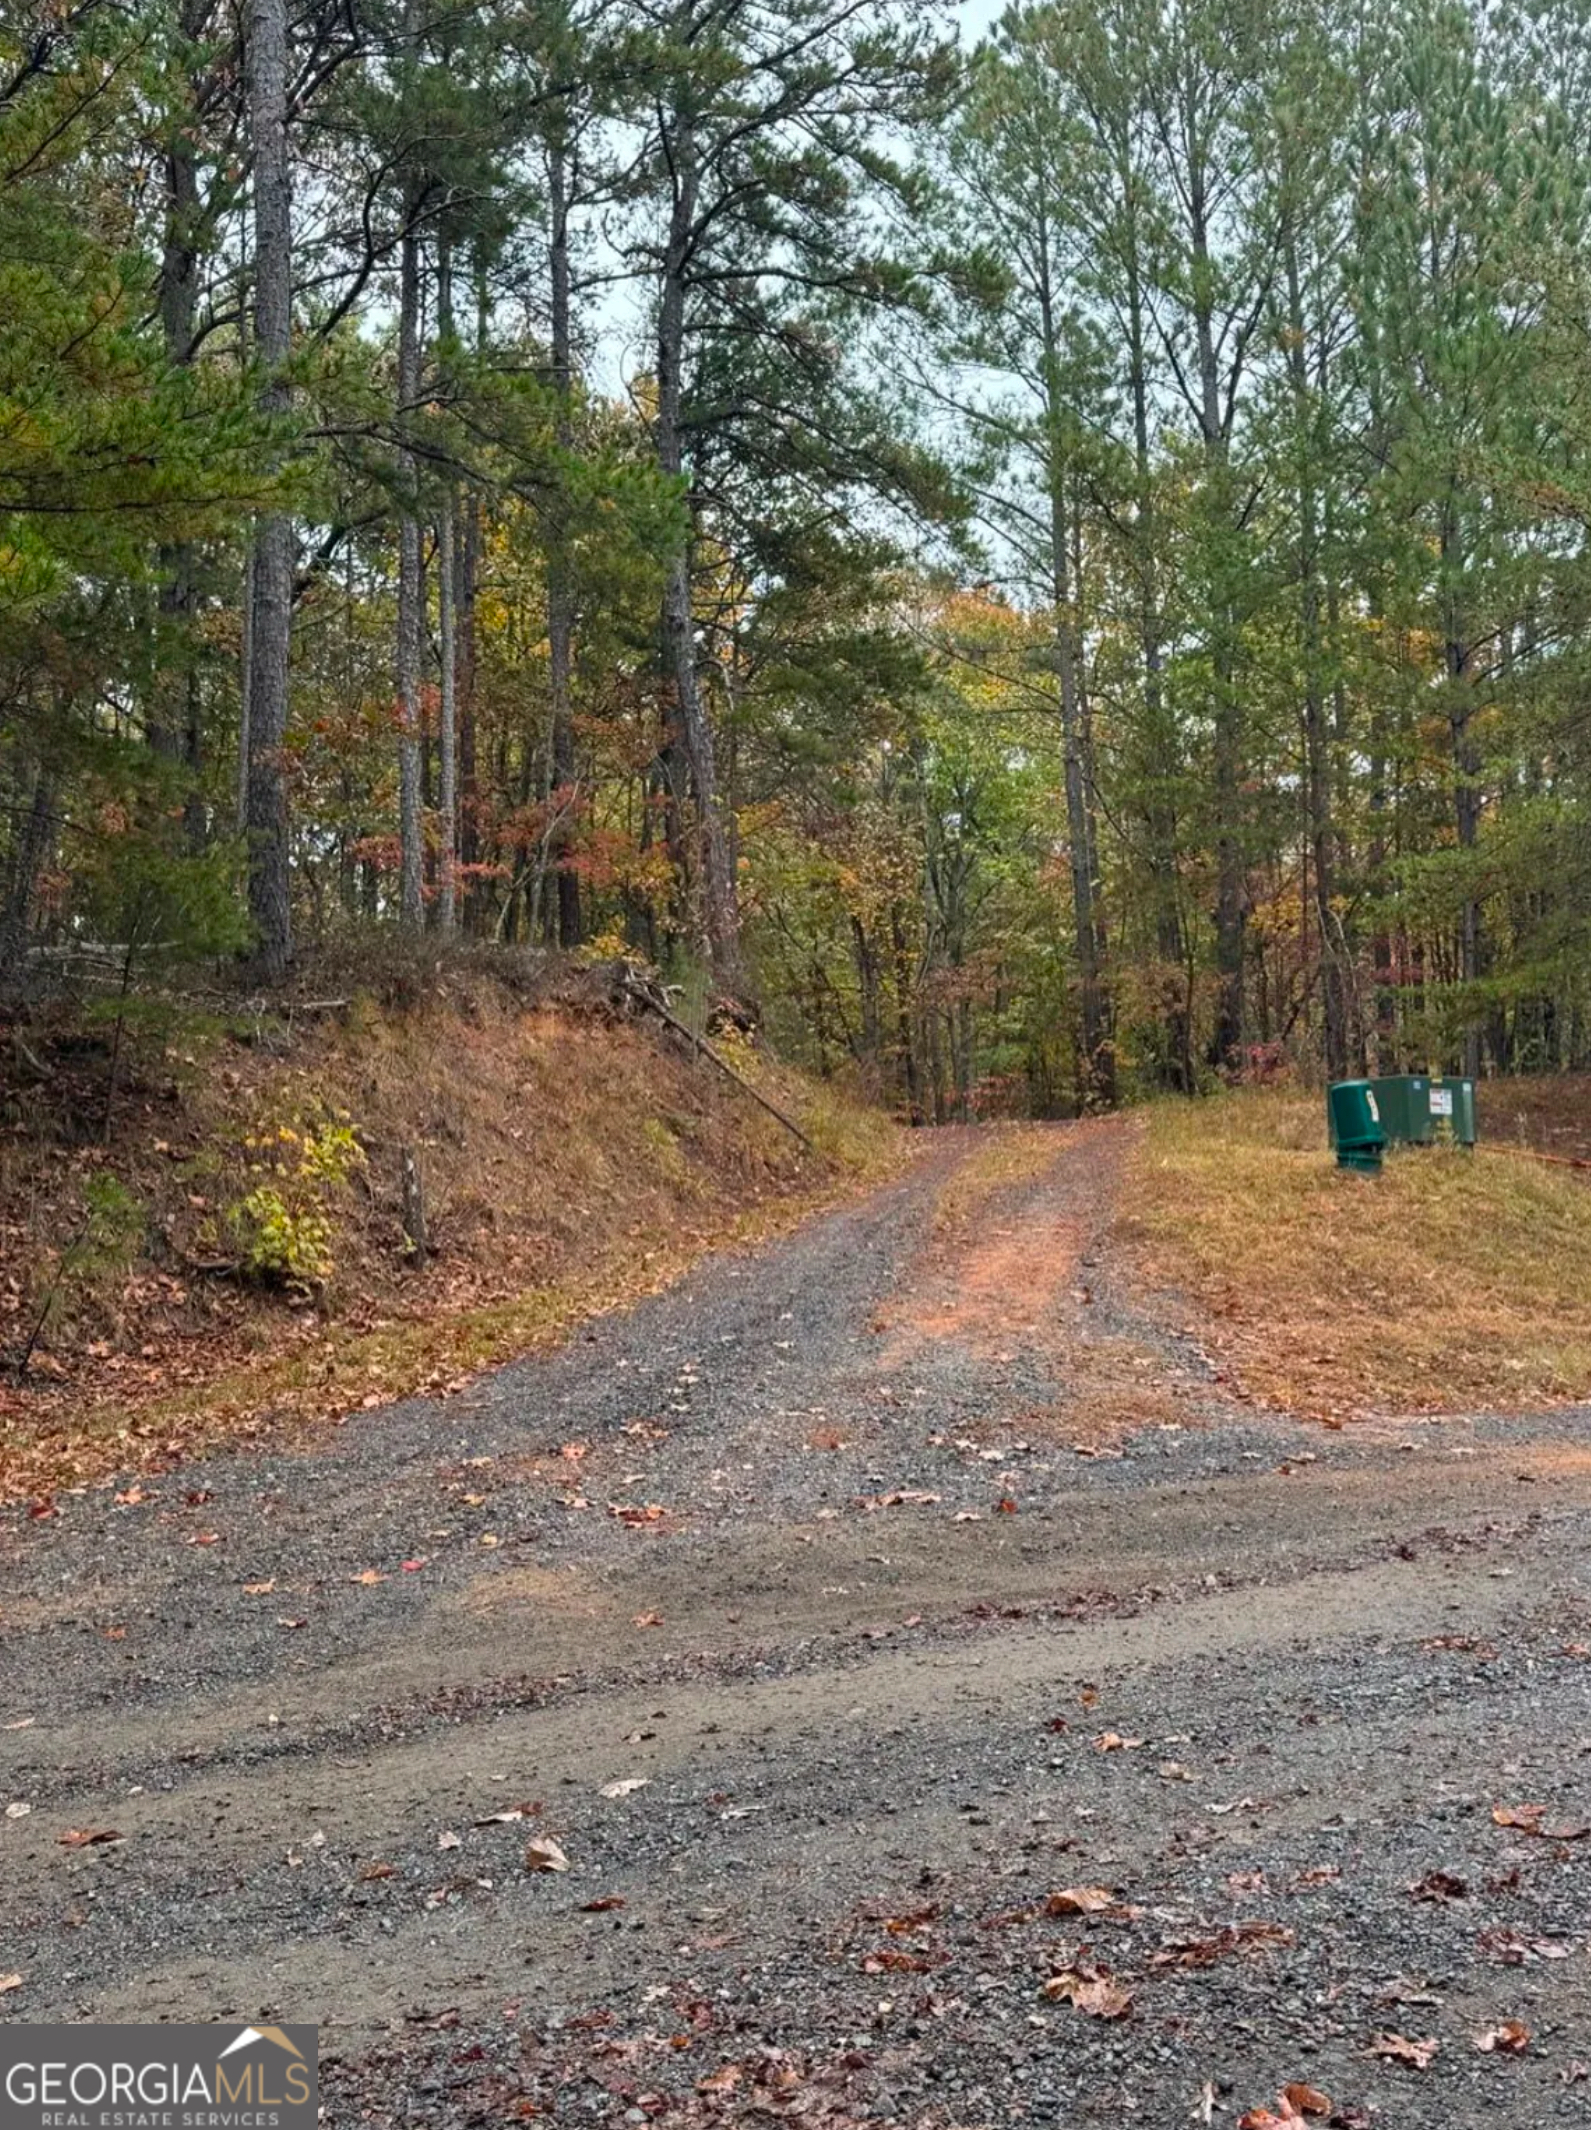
(283, 1222)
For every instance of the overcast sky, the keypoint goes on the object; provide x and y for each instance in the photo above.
(976, 15)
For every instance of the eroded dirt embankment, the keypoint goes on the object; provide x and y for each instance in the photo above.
(217, 1247)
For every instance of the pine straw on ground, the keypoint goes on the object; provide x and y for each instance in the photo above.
(572, 1163)
(1451, 1282)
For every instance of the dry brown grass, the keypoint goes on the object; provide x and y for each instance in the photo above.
(1450, 1282)
(571, 1165)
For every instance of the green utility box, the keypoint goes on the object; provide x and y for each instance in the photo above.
(1418, 1110)
(1353, 1118)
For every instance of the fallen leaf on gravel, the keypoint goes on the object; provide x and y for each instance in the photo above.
(447, 1839)
(1403, 1991)
(967, 1516)
(1238, 1804)
(1439, 1886)
(902, 1926)
(1114, 1742)
(1510, 2038)
(626, 1786)
(1531, 1819)
(1005, 1506)
(1203, 2109)
(259, 1589)
(648, 1619)
(9, 1982)
(413, 1567)
(1526, 1817)
(87, 1837)
(602, 1905)
(508, 1815)
(1174, 1771)
(544, 1854)
(131, 1497)
(43, 1507)
(1204, 1952)
(1096, 1995)
(18, 1811)
(1306, 2100)
(892, 1961)
(724, 2081)
(371, 1872)
(22, 1723)
(367, 1576)
(292, 1623)
(637, 1514)
(1316, 1875)
(1397, 2049)
(203, 1538)
(1079, 1901)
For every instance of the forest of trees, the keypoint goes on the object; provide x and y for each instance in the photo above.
(1049, 568)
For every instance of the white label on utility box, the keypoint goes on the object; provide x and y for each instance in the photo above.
(1441, 1101)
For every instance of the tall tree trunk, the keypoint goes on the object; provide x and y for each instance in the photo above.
(271, 603)
(1096, 1075)
(1162, 750)
(905, 1028)
(447, 798)
(1317, 752)
(176, 724)
(170, 713)
(27, 861)
(1231, 902)
(720, 902)
(1466, 783)
(868, 1044)
(560, 586)
(411, 586)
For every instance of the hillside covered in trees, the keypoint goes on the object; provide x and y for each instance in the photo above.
(1048, 568)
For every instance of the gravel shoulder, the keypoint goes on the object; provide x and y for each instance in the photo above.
(840, 1566)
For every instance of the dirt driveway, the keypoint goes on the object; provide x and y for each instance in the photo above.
(882, 1626)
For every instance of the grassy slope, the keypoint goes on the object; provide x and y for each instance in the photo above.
(570, 1164)
(1453, 1281)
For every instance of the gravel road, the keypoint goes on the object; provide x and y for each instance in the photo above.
(954, 1712)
